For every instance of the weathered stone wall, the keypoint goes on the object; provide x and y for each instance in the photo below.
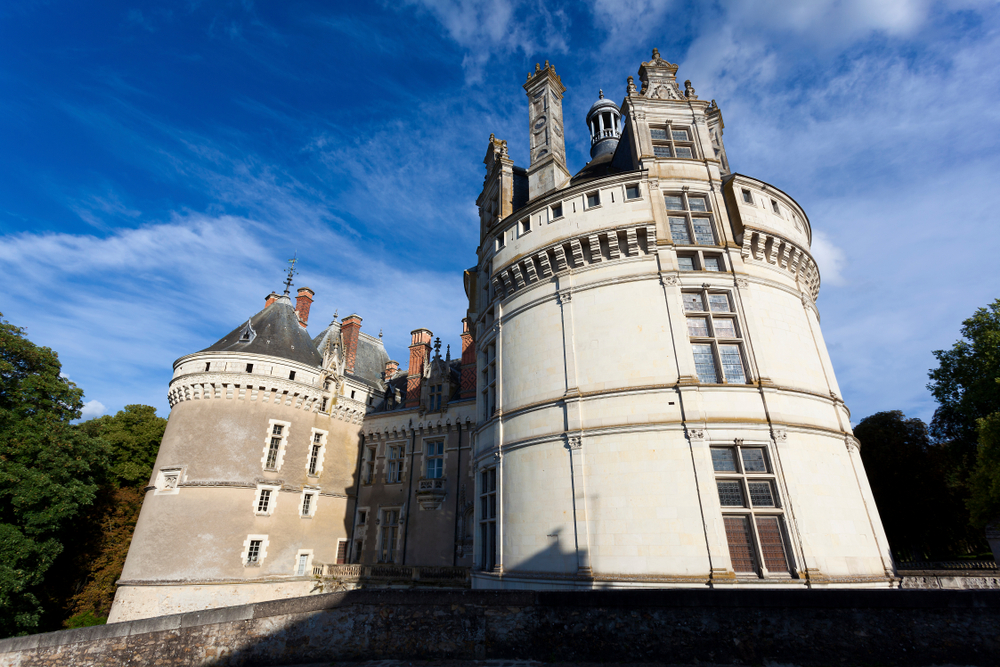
(747, 626)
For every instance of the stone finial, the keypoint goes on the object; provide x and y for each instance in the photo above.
(492, 137)
(546, 64)
(689, 90)
(630, 88)
(447, 356)
(380, 334)
(538, 68)
(437, 347)
(600, 93)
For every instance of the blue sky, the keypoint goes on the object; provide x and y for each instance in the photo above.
(160, 162)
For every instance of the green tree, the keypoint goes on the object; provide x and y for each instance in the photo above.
(923, 517)
(984, 482)
(965, 387)
(49, 472)
(134, 435)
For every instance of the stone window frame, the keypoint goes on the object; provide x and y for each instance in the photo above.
(557, 211)
(698, 256)
(307, 568)
(713, 338)
(669, 143)
(358, 523)
(272, 499)
(338, 559)
(747, 196)
(436, 397)
(489, 380)
(688, 215)
(486, 513)
(427, 456)
(368, 471)
(386, 514)
(312, 491)
(280, 457)
(586, 199)
(261, 554)
(750, 512)
(638, 189)
(168, 480)
(313, 443)
(389, 460)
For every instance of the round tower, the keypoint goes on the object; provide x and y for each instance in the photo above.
(656, 402)
(250, 487)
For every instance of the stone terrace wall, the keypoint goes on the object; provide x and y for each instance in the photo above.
(805, 627)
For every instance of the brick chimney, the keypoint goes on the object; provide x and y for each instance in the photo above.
(350, 330)
(391, 368)
(303, 302)
(467, 388)
(270, 298)
(420, 354)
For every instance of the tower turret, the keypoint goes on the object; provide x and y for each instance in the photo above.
(604, 121)
(547, 171)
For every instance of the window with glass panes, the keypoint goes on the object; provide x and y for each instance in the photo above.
(394, 464)
(672, 141)
(489, 393)
(274, 446)
(690, 219)
(253, 552)
(435, 460)
(716, 339)
(488, 518)
(263, 500)
(752, 514)
(307, 504)
(436, 396)
(369, 472)
(388, 535)
(317, 445)
(700, 261)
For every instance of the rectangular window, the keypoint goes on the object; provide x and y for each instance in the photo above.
(704, 362)
(719, 303)
(772, 545)
(658, 134)
(725, 327)
(673, 203)
(671, 141)
(291, 375)
(388, 535)
(249, 368)
(684, 151)
(394, 465)
(526, 225)
(436, 394)
(760, 494)
(488, 519)
(712, 264)
(679, 231)
(732, 364)
(730, 493)
(774, 207)
(593, 199)
(556, 211)
(341, 552)
(632, 191)
(723, 459)
(741, 551)
(263, 501)
(753, 459)
(435, 460)
(697, 204)
(300, 569)
(747, 197)
(712, 356)
(662, 151)
(685, 263)
(307, 500)
(501, 240)
(253, 552)
(369, 471)
(703, 234)
(692, 302)
(208, 366)
(314, 458)
(277, 430)
(272, 453)
(362, 517)
(698, 326)
(680, 135)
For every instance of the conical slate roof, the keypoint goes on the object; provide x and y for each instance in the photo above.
(274, 331)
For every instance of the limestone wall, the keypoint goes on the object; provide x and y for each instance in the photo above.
(805, 627)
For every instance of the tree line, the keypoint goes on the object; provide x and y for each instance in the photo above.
(937, 486)
(70, 492)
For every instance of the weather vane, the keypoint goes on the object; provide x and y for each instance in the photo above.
(291, 272)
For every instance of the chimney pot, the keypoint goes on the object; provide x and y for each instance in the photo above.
(350, 330)
(303, 302)
(270, 298)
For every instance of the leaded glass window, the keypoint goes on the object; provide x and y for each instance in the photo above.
(704, 362)
(730, 493)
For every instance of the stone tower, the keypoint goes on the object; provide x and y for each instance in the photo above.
(655, 399)
(251, 484)
(547, 170)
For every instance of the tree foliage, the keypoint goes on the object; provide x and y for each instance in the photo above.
(984, 482)
(922, 515)
(49, 472)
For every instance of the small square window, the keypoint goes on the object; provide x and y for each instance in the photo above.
(593, 199)
(557, 211)
(362, 517)
(697, 204)
(753, 460)
(723, 459)
(685, 263)
(680, 135)
(747, 197)
(719, 303)
(774, 206)
(761, 494)
(725, 327)
(692, 302)
(730, 493)
(712, 264)
(697, 326)
(632, 191)
(526, 225)
(501, 240)
(684, 151)
(656, 133)
(291, 375)
(249, 368)
(209, 366)
(673, 203)
(662, 151)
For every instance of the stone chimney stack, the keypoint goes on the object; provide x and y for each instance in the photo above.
(303, 302)
(420, 355)
(467, 388)
(270, 298)
(350, 330)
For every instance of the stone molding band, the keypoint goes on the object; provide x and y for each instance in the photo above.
(777, 251)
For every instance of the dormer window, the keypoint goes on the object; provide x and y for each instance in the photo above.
(248, 334)
(436, 397)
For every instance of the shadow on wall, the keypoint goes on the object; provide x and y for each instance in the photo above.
(559, 556)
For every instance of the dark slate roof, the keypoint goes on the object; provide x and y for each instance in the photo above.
(276, 332)
(596, 168)
(370, 358)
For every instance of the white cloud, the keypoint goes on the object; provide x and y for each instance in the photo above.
(829, 257)
(91, 409)
(628, 22)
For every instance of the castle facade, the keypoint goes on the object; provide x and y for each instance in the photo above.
(643, 397)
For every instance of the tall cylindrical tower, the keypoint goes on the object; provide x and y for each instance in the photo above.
(656, 402)
(249, 491)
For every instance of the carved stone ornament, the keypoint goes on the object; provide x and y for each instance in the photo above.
(742, 283)
(669, 279)
(574, 442)
(779, 434)
(654, 183)
(696, 434)
(497, 327)
(639, 114)
(852, 443)
(689, 90)
(496, 456)
(738, 442)
(564, 296)
(630, 88)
